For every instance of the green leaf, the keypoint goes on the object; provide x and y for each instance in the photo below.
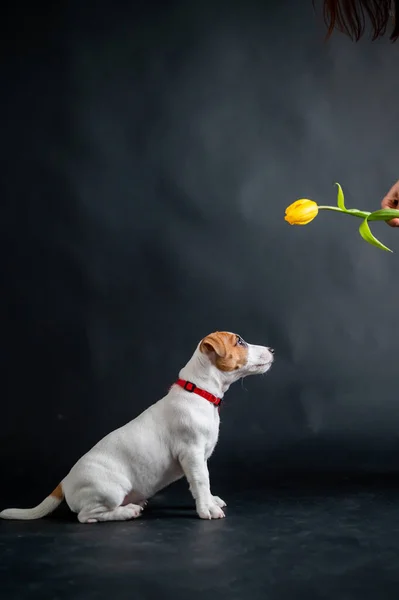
(366, 234)
(385, 214)
(340, 197)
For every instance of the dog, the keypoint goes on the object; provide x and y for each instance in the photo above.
(171, 439)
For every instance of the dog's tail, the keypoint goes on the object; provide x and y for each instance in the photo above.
(41, 510)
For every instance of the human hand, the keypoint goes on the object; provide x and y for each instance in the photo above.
(391, 200)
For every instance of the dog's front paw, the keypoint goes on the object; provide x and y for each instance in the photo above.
(219, 502)
(210, 511)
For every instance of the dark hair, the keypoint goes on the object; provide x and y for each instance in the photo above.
(349, 16)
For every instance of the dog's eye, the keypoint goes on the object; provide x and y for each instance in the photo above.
(240, 341)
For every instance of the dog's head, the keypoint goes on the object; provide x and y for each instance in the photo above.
(234, 357)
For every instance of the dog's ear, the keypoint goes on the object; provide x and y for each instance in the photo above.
(213, 343)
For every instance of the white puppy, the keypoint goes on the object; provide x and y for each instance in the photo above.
(172, 438)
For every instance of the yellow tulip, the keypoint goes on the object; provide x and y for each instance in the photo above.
(304, 211)
(301, 212)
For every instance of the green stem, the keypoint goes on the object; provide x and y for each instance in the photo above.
(362, 214)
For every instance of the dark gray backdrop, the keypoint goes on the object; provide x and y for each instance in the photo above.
(149, 155)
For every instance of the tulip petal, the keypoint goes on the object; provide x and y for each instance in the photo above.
(366, 234)
(340, 198)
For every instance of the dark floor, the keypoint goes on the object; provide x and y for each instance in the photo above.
(287, 544)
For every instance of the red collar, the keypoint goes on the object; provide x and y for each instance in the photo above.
(193, 389)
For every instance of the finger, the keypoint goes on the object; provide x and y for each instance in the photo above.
(389, 202)
(391, 198)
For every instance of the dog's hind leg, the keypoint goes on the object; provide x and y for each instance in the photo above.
(104, 503)
(98, 513)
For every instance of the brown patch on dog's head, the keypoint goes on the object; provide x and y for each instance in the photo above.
(227, 351)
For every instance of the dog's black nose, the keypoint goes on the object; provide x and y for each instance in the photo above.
(271, 350)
